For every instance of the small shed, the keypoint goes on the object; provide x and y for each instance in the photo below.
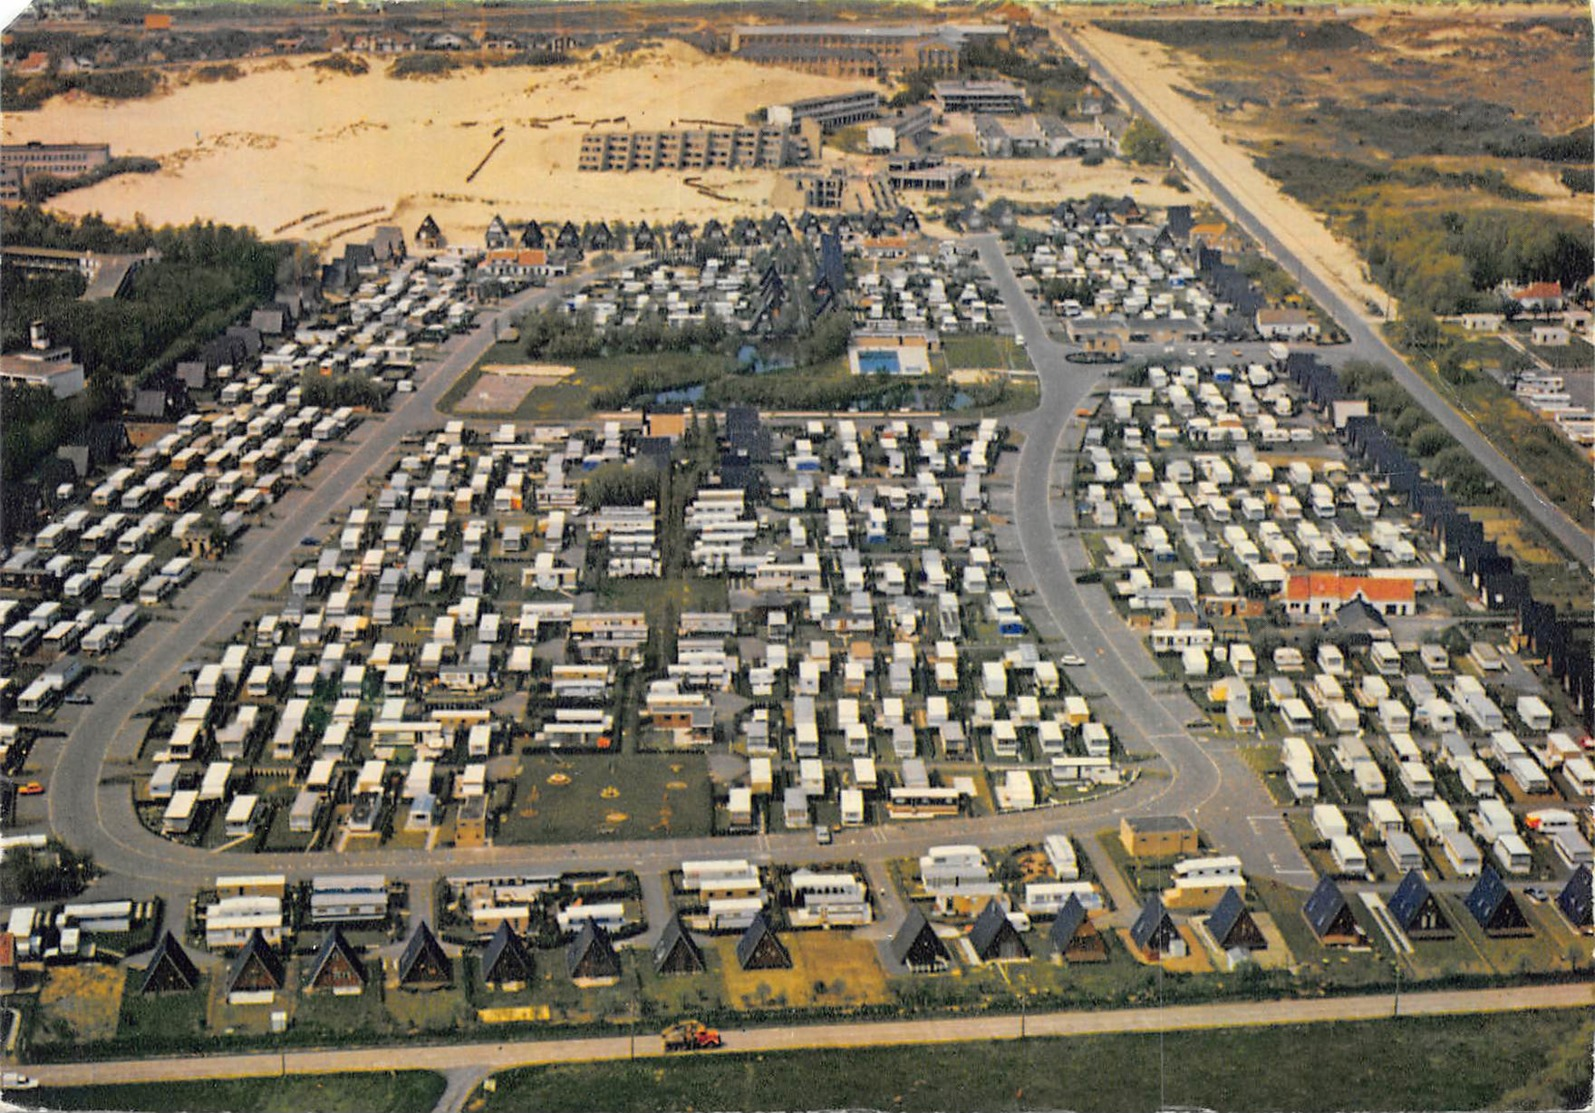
(916, 946)
(677, 952)
(1074, 937)
(1417, 911)
(423, 965)
(759, 949)
(506, 963)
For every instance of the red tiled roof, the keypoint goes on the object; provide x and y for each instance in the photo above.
(1329, 585)
(1544, 291)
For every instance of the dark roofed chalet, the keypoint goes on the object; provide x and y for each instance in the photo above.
(423, 964)
(498, 234)
(170, 970)
(1232, 926)
(506, 964)
(569, 238)
(1154, 931)
(532, 236)
(1074, 936)
(994, 937)
(676, 952)
(337, 966)
(1179, 221)
(1575, 901)
(1493, 906)
(1416, 910)
(760, 949)
(599, 238)
(642, 238)
(590, 958)
(745, 432)
(270, 321)
(429, 234)
(916, 946)
(387, 242)
(257, 969)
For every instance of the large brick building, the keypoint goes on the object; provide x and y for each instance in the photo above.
(853, 50)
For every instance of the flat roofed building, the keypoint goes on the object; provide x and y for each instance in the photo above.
(742, 148)
(62, 160)
(1002, 98)
(850, 49)
(1157, 836)
(830, 112)
(54, 369)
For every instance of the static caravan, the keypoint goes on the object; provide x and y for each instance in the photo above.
(1404, 852)
(1350, 859)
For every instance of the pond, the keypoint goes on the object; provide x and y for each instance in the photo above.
(685, 395)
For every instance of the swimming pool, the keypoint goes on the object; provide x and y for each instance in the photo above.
(874, 362)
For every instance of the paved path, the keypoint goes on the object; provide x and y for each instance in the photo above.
(462, 1060)
(1254, 202)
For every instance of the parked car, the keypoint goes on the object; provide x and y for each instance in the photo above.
(31, 788)
(1071, 660)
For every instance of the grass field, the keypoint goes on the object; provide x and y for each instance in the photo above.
(984, 352)
(596, 796)
(373, 1092)
(85, 999)
(1516, 1061)
(827, 969)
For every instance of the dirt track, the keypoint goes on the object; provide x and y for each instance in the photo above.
(1146, 67)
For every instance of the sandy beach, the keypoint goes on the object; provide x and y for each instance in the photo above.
(290, 140)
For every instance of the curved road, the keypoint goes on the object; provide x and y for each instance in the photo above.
(487, 1057)
(1238, 190)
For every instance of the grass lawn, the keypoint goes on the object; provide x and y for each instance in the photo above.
(1513, 1060)
(985, 351)
(371, 1092)
(1573, 356)
(628, 796)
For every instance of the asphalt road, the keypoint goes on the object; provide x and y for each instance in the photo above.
(1235, 196)
(460, 1059)
(1207, 779)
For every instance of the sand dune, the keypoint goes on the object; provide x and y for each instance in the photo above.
(288, 141)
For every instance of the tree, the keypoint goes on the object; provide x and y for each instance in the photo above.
(52, 872)
(1144, 144)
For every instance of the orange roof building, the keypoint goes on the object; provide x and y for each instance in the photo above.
(1320, 594)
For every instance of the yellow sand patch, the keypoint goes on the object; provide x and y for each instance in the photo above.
(846, 968)
(970, 376)
(609, 792)
(88, 997)
(1505, 529)
(559, 778)
(616, 817)
(513, 1014)
(676, 786)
